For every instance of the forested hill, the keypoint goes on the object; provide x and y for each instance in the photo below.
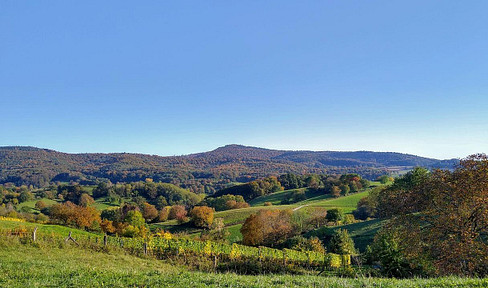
(202, 172)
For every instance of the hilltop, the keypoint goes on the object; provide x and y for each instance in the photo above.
(202, 172)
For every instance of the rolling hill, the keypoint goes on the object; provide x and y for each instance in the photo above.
(35, 166)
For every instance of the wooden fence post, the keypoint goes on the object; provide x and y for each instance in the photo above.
(284, 257)
(215, 261)
(260, 256)
(34, 234)
(145, 248)
(71, 238)
(105, 240)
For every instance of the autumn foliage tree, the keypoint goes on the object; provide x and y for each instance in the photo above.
(441, 218)
(73, 215)
(267, 227)
(85, 200)
(202, 216)
(163, 214)
(107, 226)
(178, 212)
(149, 212)
(40, 205)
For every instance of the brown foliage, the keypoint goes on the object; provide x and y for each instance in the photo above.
(178, 212)
(335, 191)
(40, 205)
(267, 227)
(163, 214)
(74, 215)
(318, 217)
(86, 200)
(232, 204)
(445, 218)
(149, 212)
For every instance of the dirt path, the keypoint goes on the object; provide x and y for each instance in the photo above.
(300, 207)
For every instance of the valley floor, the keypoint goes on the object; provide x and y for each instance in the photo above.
(23, 265)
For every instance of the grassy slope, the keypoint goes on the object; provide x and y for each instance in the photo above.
(347, 203)
(274, 198)
(31, 204)
(362, 233)
(232, 218)
(102, 204)
(28, 266)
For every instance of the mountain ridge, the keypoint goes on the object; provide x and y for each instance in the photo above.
(27, 165)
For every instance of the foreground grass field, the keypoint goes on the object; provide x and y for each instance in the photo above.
(23, 265)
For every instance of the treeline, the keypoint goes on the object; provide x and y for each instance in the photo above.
(200, 173)
(253, 189)
(335, 185)
(159, 194)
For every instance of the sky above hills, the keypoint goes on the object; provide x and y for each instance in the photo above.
(177, 77)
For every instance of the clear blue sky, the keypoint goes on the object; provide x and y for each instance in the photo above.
(176, 77)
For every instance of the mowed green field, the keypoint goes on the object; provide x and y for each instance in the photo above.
(102, 204)
(24, 265)
(346, 203)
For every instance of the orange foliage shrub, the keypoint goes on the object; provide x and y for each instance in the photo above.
(202, 216)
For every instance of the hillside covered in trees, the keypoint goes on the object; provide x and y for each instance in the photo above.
(202, 172)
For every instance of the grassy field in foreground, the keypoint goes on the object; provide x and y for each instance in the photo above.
(27, 266)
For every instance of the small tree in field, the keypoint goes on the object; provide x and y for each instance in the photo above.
(163, 214)
(40, 205)
(149, 212)
(179, 213)
(202, 216)
(85, 200)
(335, 191)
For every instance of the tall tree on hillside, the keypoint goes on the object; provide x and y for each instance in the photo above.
(442, 217)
